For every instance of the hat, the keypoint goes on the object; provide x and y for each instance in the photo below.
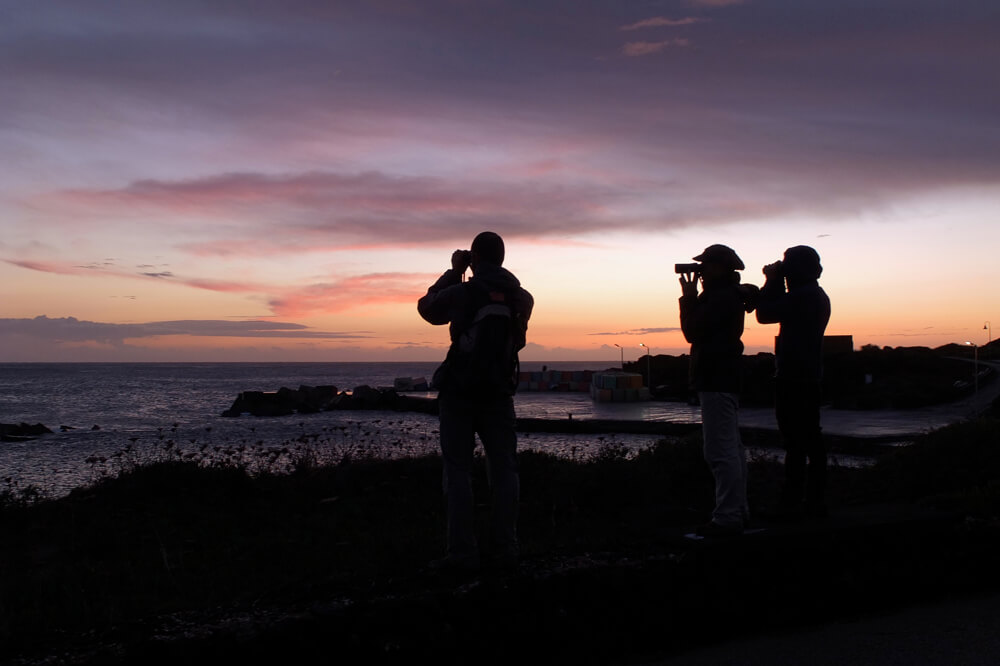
(802, 262)
(722, 255)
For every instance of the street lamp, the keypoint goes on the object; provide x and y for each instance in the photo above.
(623, 353)
(649, 367)
(975, 365)
(989, 335)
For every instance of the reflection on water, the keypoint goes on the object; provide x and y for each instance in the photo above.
(556, 405)
(58, 462)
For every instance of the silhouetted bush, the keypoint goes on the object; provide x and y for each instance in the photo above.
(963, 457)
(178, 536)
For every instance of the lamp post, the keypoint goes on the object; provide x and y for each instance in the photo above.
(649, 367)
(989, 335)
(623, 353)
(975, 366)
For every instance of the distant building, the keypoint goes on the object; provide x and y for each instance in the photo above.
(832, 344)
(555, 380)
(617, 386)
(837, 344)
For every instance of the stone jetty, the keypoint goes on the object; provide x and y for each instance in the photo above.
(555, 380)
(312, 399)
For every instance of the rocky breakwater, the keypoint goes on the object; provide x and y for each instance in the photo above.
(312, 399)
(18, 432)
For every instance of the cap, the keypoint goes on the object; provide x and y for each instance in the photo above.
(722, 255)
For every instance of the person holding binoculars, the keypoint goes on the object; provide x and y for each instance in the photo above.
(488, 321)
(712, 322)
(791, 297)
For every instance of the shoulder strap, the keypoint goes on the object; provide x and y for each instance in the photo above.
(492, 309)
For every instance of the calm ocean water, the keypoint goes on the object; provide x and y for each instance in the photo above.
(148, 411)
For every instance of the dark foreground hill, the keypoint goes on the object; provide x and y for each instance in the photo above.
(172, 562)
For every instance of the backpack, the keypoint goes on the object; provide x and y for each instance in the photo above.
(483, 359)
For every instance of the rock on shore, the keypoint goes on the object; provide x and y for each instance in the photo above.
(312, 399)
(10, 432)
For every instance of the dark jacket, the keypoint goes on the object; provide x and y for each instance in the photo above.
(803, 313)
(451, 301)
(713, 323)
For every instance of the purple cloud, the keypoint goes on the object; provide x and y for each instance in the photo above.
(400, 123)
(641, 331)
(662, 22)
(634, 49)
(73, 330)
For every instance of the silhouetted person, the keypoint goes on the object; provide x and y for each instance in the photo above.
(713, 323)
(488, 317)
(802, 310)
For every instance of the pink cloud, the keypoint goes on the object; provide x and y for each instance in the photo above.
(70, 330)
(222, 285)
(662, 21)
(47, 267)
(327, 210)
(635, 49)
(353, 292)
(536, 168)
(255, 248)
(316, 190)
(341, 294)
(107, 269)
(715, 3)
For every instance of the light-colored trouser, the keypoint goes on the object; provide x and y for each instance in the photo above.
(462, 418)
(725, 456)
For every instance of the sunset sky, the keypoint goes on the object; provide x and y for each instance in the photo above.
(281, 180)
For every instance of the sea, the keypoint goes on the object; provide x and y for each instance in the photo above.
(109, 417)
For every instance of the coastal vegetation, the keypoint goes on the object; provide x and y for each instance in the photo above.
(170, 558)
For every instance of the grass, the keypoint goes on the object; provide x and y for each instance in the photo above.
(175, 535)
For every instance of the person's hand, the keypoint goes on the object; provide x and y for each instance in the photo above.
(773, 270)
(689, 285)
(750, 294)
(460, 260)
